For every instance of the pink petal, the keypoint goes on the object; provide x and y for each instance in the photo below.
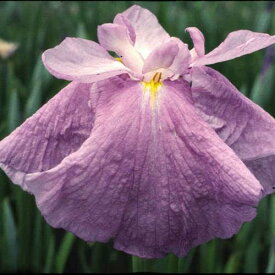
(81, 60)
(242, 124)
(198, 40)
(52, 133)
(122, 20)
(149, 33)
(236, 44)
(182, 60)
(114, 37)
(161, 57)
(156, 180)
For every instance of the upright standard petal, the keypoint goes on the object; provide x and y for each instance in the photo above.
(172, 59)
(149, 33)
(182, 60)
(115, 37)
(198, 40)
(122, 20)
(242, 124)
(236, 44)
(52, 133)
(81, 60)
(156, 180)
(161, 57)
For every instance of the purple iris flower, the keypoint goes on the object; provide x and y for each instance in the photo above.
(152, 149)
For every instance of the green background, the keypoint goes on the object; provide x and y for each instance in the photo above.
(27, 243)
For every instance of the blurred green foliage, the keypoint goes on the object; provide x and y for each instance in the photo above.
(27, 243)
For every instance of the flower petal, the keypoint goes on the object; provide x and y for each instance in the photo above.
(149, 33)
(156, 180)
(172, 59)
(53, 132)
(198, 40)
(122, 20)
(242, 124)
(81, 60)
(161, 57)
(236, 44)
(115, 37)
(182, 60)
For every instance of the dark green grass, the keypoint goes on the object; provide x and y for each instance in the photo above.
(27, 243)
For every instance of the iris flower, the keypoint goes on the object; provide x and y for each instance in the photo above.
(152, 149)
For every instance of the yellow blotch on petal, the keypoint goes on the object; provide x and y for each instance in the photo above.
(153, 86)
(118, 59)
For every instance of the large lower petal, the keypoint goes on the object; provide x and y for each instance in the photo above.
(237, 43)
(242, 124)
(81, 60)
(52, 133)
(156, 179)
(149, 33)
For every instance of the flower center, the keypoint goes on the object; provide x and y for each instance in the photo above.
(153, 86)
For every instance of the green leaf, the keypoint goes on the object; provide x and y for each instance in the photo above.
(64, 252)
(172, 266)
(49, 251)
(233, 264)
(10, 246)
(137, 264)
(40, 79)
(263, 87)
(271, 259)
(37, 242)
